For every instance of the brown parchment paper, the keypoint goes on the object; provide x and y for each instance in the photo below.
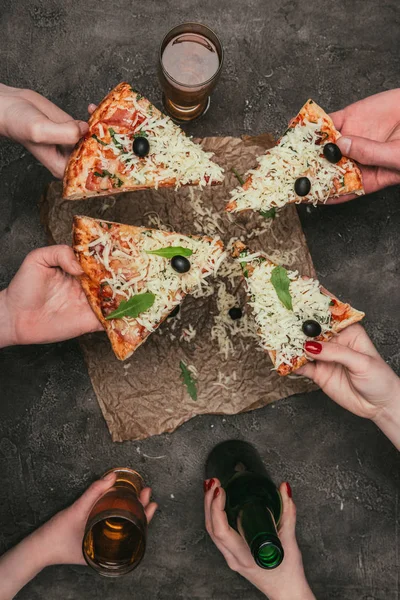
(145, 395)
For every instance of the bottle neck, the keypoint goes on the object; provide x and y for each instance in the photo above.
(257, 526)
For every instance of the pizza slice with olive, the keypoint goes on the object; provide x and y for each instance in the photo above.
(290, 309)
(130, 146)
(306, 165)
(135, 277)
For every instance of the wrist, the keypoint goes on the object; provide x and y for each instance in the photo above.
(4, 94)
(388, 417)
(296, 588)
(7, 332)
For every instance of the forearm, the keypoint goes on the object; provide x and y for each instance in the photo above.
(7, 334)
(301, 592)
(388, 420)
(5, 94)
(282, 587)
(19, 565)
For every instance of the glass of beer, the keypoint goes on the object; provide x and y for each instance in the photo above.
(115, 535)
(190, 63)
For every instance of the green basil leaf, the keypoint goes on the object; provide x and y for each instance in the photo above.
(244, 268)
(281, 282)
(94, 136)
(103, 174)
(238, 176)
(116, 142)
(269, 214)
(140, 134)
(171, 251)
(188, 380)
(133, 307)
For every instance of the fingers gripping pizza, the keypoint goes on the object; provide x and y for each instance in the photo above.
(290, 309)
(135, 277)
(130, 146)
(306, 165)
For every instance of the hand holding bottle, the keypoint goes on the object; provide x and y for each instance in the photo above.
(285, 582)
(350, 370)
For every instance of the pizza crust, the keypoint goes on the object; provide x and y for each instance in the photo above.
(82, 158)
(123, 344)
(352, 178)
(351, 314)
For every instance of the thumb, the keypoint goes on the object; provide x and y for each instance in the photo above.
(44, 131)
(57, 256)
(288, 519)
(370, 152)
(356, 362)
(94, 493)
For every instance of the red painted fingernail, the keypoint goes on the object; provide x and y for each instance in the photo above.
(210, 484)
(289, 490)
(205, 483)
(313, 347)
(216, 492)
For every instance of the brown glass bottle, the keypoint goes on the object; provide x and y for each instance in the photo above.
(115, 535)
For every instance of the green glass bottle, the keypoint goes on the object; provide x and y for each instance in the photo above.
(253, 503)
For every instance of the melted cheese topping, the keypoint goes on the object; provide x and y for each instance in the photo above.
(280, 329)
(172, 154)
(133, 271)
(296, 155)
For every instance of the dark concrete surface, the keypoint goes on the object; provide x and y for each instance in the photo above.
(53, 439)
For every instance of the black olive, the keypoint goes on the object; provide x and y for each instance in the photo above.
(332, 153)
(175, 312)
(311, 328)
(235, 313)
(141, 146)
(302, 186)
(180, 264)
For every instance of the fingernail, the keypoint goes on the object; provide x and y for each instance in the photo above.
(210, 484)
(313, 347)
(216, 492)
(109, 477)
(289, 490)
(83, 127)
(345, 144)
(205, 484)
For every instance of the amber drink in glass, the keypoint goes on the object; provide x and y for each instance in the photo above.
(115, 535)
(190, 61)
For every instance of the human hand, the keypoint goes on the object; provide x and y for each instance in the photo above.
(61, 537)
(286, 582)
(44, 302)
(371, 136)
(350, 370)
(43, 128)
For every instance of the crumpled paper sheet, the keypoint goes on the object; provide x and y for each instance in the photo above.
(145, 395)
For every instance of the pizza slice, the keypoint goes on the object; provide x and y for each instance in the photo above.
(130, 146)
(290, 309)
(135, 277)
(306, 165)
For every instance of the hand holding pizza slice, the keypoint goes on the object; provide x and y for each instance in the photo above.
(306, 165)
(290, 309)
(135, 277)
(131, 146)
